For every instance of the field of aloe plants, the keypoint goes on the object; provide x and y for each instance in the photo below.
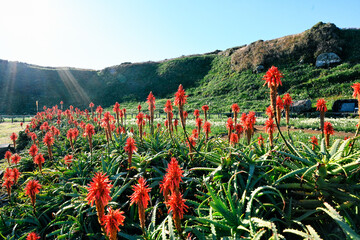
(97, 175)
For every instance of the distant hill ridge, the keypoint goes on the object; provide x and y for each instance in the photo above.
(225, 75)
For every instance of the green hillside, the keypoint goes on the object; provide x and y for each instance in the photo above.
(217, 79)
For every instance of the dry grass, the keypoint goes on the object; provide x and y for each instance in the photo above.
(305, 46)
(6, 129)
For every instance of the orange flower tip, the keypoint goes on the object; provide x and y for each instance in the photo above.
(32, 188)
(32, 236)
(141, 193)
(273, 77)
(321, 105)
(99, 189)
(130, 145)
(356, 87)
(177, 205)
(112, 220)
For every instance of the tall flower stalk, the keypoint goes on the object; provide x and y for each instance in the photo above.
(91, 105)
(180, 100)
(39, 160)
(49, 141)
(89, 132)
(112, 221)
(321, 106)
(140, 121)
(32, 188)
(117, 110)
(141, 198)
(230, 127)
(172, 179)
(235, 109)
(270, 129)
(273, 80)
(13, 138)
(130, 148)
(99, 192)
(207, 130)
(314, 142)
(287, 103)
(152, 107)
(168, 109)
(328, 130)
(279, 108)
(205, 108)
(178, 207)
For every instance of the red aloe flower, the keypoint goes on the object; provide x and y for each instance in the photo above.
(233, 139)
(91, 105)
(168, 106)
(196, 113)
(68, 160)
(89, 132)
(13, 137)
(8, 156)
(287, 103)
(273, 77)
(8, 173)
(8, 184)
(152, 107)
(180, 100)
(198, 123)
(130, 148)
(139, 107)
(205, 108)
(99, 110)
(32, 188)
(239, 129)
(314, 142)
(328, 130)
(207, 129)
(32, 236)
(16, 175)
(270, 129)
(279, 107)
(112, 221)
(230, 127)
(195, 133)
(71, 136)
(139, 121)
(235, 108)
(49, 141)
(178, 207)
(185, 115)
(15, 158)
(39, 160)
(117, 110)
(356, 87)
(180, 97)
(99, 192)
(168, 109)
(321, 106)
(356, 94)
(172, 178)
(260, 140)
(107, 119)
(141, 198)
(33, 150)
(273, 80)
(249, 125)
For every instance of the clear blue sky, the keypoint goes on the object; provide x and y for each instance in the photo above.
(97, 34)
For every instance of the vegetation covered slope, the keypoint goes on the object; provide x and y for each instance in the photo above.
(219, 77)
